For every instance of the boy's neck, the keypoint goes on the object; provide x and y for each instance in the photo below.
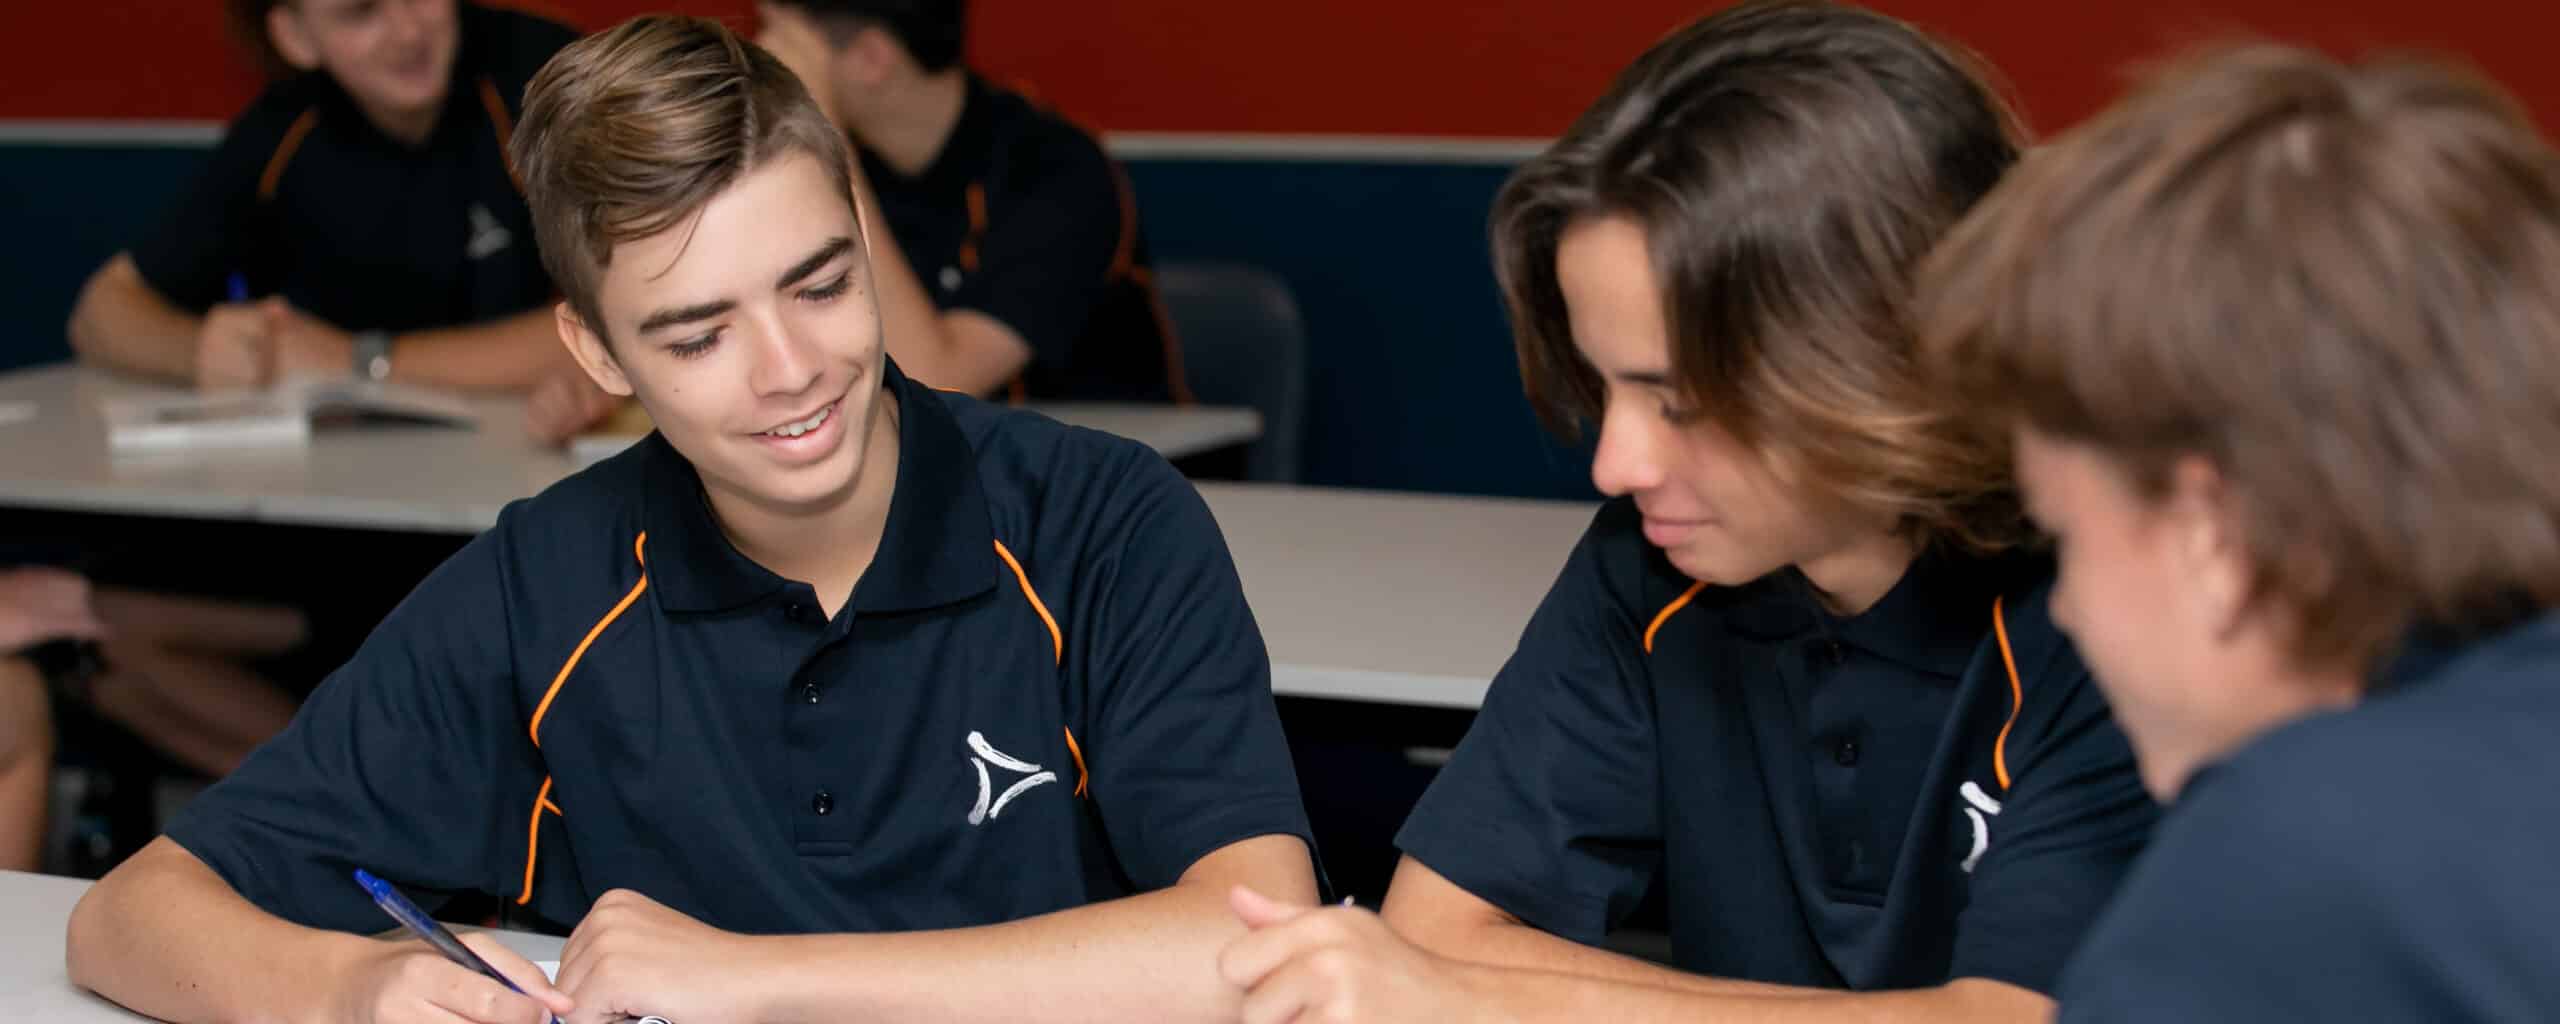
(828, 548)
(907, 130)
(411, 128)
(1855, 577)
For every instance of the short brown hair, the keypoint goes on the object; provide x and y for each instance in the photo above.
(1790, 163)
(2340, 285)
(628, 132)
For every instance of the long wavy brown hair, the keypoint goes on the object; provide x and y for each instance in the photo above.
(1790, 163)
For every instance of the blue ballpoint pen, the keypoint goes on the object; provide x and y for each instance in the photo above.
(425, 927)
(239, 287)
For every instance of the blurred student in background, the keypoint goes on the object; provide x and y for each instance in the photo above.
(358, 218)
(1006, 245)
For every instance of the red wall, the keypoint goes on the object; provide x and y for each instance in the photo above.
(1484, 67)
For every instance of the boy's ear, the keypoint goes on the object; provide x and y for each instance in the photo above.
(589, 349)
(292, 37)
(871, 57)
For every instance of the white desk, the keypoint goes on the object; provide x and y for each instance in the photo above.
(425, 480)
(1396, 598)
(35, 909)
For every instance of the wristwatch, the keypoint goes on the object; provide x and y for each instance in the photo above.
(373, 355)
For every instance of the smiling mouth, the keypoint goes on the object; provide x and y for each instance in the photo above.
(799, 427)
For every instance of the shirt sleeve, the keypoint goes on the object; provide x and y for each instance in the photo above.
(1051, 237)
(398, 764)
(2254, 905)
(211, 232)
(1549, 808)
(2063, 839)
(1186, 753)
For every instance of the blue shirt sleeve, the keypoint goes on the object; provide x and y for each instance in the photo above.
(2392, 862)
(1050, 241)
(2065, 836)
(400, 763)
(1549, 809)
(210, 232)
(1186, 751)
(2249, 907)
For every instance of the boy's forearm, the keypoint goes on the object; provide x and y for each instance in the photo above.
(1150, 957)
(1145, 957)
(1504, 944)
(166, 937)
(121, 323)
(508, 355)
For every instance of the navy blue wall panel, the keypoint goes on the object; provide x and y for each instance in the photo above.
(63, 211)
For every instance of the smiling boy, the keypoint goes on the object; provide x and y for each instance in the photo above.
(838, 695)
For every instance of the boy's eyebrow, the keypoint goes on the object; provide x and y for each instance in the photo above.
(665, 318)
(826, 253)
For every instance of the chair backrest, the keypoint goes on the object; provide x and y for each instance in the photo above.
(1243, 344)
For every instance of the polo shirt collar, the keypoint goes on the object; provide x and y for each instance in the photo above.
(1932, 619)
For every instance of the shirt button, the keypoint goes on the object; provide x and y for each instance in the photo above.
(1846, 753)
(824, 803)
(809, 693)
(1832, 653)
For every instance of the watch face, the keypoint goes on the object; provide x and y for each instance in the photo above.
(373, 355)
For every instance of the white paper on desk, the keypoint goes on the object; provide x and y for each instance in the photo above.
(282, 415)
(189, 420)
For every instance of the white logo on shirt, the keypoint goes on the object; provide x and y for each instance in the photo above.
(984, 753)
(1983, 805)
(488, 236)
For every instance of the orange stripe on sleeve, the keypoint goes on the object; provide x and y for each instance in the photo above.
(293, 137)
(1668, 610)
(505, 125)
(533, 839)
(542, 800)
(1084, 780)
(2017, 696)
(977, 227)
(1124, 256)
(1057, 640)
(1177, 378)
(639, 550)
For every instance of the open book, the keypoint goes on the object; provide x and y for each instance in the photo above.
(283, 415)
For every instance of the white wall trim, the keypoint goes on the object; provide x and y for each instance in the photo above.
(1242, 147)
(109, 133)
(1390, 149)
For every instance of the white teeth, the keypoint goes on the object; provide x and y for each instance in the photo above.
(804, 426)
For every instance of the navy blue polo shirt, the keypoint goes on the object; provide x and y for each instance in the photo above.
(2393, 861)
(305, 198)
(1023, 217)
(1046, 690)
(1861, 802)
